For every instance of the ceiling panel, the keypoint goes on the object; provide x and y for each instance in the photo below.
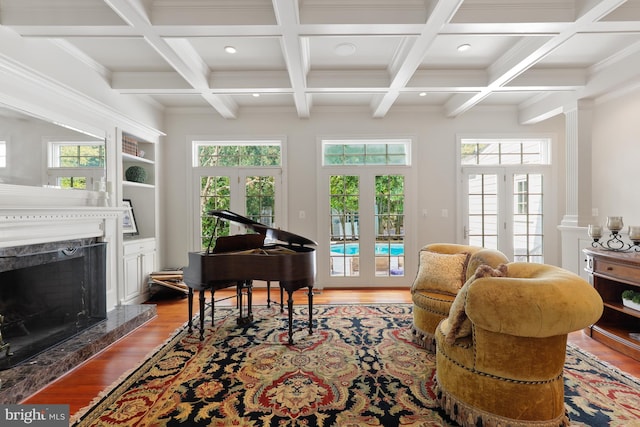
(600, 47)
(482, 52)
(372, 52)
(252, 53)
(121, 54)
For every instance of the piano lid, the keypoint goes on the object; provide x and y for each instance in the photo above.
(271, 234)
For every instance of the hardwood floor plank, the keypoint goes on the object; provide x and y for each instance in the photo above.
(79, 387)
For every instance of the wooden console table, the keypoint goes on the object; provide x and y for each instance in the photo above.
(611, 273)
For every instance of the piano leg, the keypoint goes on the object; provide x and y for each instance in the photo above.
(268, 293)
(249, 300)
(281, 299)
(244, 286)
(213, 302)
(201, 298)
(310, 295)
(190, 299)
(239, 302)
(290, 308)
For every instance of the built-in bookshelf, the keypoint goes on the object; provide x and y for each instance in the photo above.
(137, 152)
(139, 190)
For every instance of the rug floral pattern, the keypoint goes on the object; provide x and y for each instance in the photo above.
(358, 368)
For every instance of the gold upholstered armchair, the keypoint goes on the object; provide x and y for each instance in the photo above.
(505, 367)
(442, 271)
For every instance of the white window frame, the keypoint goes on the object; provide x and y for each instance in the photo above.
(368, 172)
(196, 172)
(54, 171)
(550, 176)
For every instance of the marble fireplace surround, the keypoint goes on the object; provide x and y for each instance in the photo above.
(31, 215)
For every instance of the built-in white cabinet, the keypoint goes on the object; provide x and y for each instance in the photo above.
(139, 262)
(138, 189)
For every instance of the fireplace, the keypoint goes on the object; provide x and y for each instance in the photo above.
(49, 292)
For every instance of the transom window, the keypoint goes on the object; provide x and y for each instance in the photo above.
(237, 153)
(485, 152)
(366, 152)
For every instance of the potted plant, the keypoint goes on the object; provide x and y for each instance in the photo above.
(631, 299)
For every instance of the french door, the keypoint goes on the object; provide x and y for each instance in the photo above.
(252, 192)
(362, 227)
(504, 208)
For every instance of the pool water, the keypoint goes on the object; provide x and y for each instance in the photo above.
(397, 249)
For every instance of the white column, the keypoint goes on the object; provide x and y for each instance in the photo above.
(578, 164)
(578, 211)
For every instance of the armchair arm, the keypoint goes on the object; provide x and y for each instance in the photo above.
(535, 300)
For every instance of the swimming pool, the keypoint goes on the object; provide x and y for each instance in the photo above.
(397, 249)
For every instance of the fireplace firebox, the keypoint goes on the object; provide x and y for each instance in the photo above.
(48, 293)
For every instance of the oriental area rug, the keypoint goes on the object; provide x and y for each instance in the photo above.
(358, 368)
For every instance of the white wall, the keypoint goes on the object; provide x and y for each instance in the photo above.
(435, 157)
(616, 157)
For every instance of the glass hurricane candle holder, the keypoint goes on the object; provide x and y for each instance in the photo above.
(615, 223)
(615, 242)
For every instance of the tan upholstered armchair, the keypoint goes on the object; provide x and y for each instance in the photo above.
(443, 269)
(507, 367)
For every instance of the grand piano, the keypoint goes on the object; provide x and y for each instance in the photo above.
(267, 254)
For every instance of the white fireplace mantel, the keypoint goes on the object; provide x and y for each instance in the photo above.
(27, 226)
(30, 215)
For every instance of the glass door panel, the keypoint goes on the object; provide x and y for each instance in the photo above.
(482, 208)
(260, 199)
(215, 193)
(344, 202)
(527, 217)
(389, 224)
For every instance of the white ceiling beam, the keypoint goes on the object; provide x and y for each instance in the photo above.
(189, 68)
(295, 57)
(441, 14)
(452, 80)
(150, 82)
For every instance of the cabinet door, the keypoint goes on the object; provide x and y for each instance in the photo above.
(131, 277)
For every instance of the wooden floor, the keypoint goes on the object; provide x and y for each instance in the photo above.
(81, 385)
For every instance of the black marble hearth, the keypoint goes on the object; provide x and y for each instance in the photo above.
(21, 381)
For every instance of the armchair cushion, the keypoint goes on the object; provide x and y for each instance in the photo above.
(549, 301)
(459, 324)
(445, 273)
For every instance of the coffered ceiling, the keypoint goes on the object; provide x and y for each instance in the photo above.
(536, 55)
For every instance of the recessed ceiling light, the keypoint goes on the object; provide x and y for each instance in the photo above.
(256, 95)
(422, 94)
(230, 49)
(464, 47)
(345, 49)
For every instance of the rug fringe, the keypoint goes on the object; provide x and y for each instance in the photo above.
(423, 339)
(469, 416)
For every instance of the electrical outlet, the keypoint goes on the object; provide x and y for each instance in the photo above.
(302, 214)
